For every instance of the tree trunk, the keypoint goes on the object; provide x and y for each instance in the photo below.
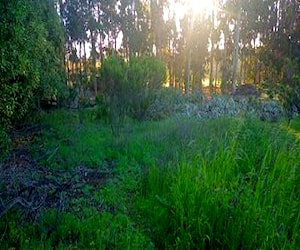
(188, 70)
(80, 61)
(211, 62)
(236, 52)
(94, 61)
(216, 75)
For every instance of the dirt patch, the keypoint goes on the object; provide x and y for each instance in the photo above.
(31, 188)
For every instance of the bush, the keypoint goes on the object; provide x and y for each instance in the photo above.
(115, 90)
(128, 87)
(145, 75)
(164, 102)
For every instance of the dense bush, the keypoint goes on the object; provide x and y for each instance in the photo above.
(128, 87)
(115, 90)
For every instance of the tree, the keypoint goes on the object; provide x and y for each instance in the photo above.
(29, 38)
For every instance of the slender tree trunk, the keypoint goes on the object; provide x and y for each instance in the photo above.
(216, 75)
(85, 62)
(80, 61)
(188, 70)
(101, 47)
(211, 62)
(94, 61)
(242, 68)
(224, 71)
(236, 52)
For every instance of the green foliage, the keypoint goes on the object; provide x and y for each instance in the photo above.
(128, 86)
(101, 109)
(116, 90)
(289, 94)
(29, 65)
(237, 191)
(52, 71)
(295, 124)
(286, 89)
(89, 230)
(165, 102)
(145, 76)
(155, 71)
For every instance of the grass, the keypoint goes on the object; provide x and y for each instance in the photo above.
(181, 183)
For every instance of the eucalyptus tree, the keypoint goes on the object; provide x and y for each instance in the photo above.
(224, 23)
(172, 38)
(186, 25)
(93, 27)
(158, 25)
(214, 37)
(135, 27)
(110, 21)
(199, 48)
(76, 26)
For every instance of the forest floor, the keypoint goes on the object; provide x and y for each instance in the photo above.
(68, 183)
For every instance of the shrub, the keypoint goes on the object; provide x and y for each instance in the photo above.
(128, 87)
(115, 90)
(27, 54)
(164, 102)
(155, 70)
(145, 75)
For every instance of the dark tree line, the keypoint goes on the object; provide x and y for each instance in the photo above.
(240, 41)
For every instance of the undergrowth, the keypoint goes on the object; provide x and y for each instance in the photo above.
(180, 183)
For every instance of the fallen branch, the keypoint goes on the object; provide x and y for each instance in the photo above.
(21, 201)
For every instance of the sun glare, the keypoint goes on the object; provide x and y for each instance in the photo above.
(197, 6)
(202, 5)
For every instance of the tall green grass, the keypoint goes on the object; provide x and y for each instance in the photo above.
(239, 189)
(181, 183)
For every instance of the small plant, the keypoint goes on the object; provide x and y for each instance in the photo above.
(101, 109)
